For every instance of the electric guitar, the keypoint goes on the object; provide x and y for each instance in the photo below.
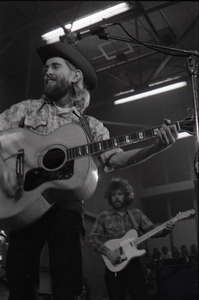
(126, 247)
(62, 160)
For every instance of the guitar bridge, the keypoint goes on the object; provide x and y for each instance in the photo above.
(123, 258)
(20, 173)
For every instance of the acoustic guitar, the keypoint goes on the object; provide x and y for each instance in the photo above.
(62, 159)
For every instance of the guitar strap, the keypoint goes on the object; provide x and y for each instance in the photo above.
(131, 216)
(84, 124)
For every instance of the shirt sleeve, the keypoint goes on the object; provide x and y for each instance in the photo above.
(144, 223)
(12, 116)
(96, 236)
(100, 133)
(98, 130)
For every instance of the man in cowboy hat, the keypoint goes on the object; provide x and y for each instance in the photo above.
(68, 81)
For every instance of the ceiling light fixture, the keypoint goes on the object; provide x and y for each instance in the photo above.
(163, 81)
(53, 36)
(124, 93)
(151, 93)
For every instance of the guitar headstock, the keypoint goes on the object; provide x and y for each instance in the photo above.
(185, 214)
(187, 124)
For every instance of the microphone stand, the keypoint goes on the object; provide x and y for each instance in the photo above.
(193, 68)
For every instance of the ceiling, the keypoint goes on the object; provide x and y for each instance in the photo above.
(120, 65)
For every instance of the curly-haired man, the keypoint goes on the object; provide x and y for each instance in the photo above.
(128, 283)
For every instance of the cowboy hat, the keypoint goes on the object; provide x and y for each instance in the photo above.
(70, 53)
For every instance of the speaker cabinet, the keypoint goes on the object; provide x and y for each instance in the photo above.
(178, 282)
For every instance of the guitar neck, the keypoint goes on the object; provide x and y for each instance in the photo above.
(115, 142)
(152, 232)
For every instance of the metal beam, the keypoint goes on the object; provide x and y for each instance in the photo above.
(168, 57)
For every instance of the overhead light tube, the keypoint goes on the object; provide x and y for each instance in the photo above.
(97, 17)
(151, 93)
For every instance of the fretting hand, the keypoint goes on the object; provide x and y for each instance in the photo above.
(168, 135)
(170, 225)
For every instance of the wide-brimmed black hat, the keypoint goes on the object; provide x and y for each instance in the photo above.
(70, 53)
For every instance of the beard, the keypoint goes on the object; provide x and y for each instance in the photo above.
(117, 205)
(57, 89)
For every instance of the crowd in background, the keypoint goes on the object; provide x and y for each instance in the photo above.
(182, 252)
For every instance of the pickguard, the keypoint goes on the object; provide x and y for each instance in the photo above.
(37, 176)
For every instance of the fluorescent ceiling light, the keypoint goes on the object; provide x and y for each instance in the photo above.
(125, 92)
(163, 81)
(151, 93)
(53, 36)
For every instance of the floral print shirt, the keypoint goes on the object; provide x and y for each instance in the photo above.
(44, 117)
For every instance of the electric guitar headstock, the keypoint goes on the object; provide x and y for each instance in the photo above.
(185, 214)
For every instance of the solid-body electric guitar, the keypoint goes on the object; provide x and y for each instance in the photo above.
(62, 159)
(126, 247)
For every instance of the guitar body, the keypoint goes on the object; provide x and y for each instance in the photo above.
(128, 249)
(45, 166)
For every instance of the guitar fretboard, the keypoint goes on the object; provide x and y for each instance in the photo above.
(152, 232)
(115, 142)
(162, 226)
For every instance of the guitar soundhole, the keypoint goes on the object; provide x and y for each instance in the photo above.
(54, 158)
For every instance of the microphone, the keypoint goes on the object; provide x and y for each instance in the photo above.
(74, 37)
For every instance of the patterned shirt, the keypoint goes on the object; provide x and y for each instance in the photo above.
(113, 225)
(43, 117)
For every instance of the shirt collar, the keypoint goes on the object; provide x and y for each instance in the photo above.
(115, 212)
(59, 109)
(63, 110)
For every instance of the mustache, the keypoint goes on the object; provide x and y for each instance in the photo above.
(49, 77)
(119, 201)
